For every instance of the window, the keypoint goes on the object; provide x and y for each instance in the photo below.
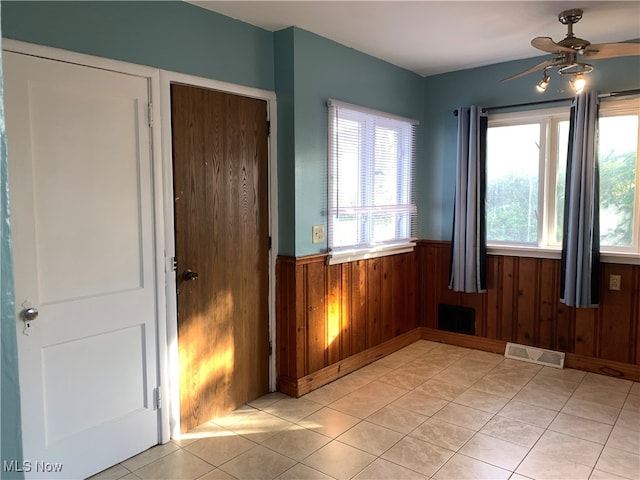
(371, 205)
(526, 163)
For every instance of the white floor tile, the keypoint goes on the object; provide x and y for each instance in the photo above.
(428, 411)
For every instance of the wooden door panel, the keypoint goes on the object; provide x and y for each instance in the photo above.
(221, 230)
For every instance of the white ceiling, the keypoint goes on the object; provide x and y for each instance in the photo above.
(431, 37)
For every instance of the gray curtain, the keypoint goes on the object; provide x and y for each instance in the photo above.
(580, 267)
(469, 243)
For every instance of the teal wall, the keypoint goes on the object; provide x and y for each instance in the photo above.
(310, 70)
(283, 46)
(482, 86)
(171, 35)
(304, 70)
(10, 430)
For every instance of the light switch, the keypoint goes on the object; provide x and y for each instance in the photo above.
(614, 282)
(317, 234)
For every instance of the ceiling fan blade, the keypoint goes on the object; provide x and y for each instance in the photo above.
(610, 50)
(546, 44)
(540, 66)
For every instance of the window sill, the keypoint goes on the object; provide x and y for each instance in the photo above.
(555, 253)
(353, 255)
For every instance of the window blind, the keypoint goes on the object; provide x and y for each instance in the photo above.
(371, 197)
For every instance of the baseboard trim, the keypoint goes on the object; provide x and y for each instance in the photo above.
(462, 340)
(301, 386)
(610, 368)
(601, 366)
(298, 387)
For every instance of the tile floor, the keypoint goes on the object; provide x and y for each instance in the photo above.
(426, 411)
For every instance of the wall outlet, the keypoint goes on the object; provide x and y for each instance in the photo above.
(317, 234)
(614, 282)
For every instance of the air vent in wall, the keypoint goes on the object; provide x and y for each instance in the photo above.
(454, 318)
(529, 354)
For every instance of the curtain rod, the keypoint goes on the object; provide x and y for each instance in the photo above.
(622, 93)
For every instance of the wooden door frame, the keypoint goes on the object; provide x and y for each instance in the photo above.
(152, 75)
(166, 79)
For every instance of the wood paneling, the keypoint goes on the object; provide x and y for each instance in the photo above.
(286, 327)
(357, 305)
(572, 360)
(327, 314)
(373, 302)
(522, 305)
(615, 323)
(332, 320)
(635, 313)
(221, 231)
(334, 315)
(546, 317)
(297, 387)
(315, 288)
(386, 296)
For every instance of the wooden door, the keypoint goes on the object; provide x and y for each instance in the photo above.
(83, 235)
(220, 172)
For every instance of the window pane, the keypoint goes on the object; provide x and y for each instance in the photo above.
(347, 224)
(513, 158)
(618, 140)
(345, 230)
(384, 227)
(385, 181)
(349, 143)
(563, 145)
(618, 151)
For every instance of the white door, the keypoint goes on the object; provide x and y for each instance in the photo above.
(82, 216)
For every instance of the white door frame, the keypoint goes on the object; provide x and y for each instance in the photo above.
(166, 79)
(153, 77)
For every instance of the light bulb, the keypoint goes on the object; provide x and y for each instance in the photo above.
(544, 83)
(578, 83)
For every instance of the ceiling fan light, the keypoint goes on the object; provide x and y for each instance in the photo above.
(544, 83)
(578, 83)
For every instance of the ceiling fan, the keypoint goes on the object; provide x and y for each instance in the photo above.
(570, 53)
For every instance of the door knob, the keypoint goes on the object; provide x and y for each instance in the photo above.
(189, 275)
(29, 314)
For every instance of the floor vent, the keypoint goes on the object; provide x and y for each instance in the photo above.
(453, 318)
(534, 355)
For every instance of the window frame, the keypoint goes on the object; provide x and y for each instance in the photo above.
(369, 119)
(550, 118)
(620, 108)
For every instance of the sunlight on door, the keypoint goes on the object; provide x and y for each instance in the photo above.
(217, 368)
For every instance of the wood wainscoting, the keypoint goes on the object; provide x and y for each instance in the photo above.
(522, 305)
(333, 319)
